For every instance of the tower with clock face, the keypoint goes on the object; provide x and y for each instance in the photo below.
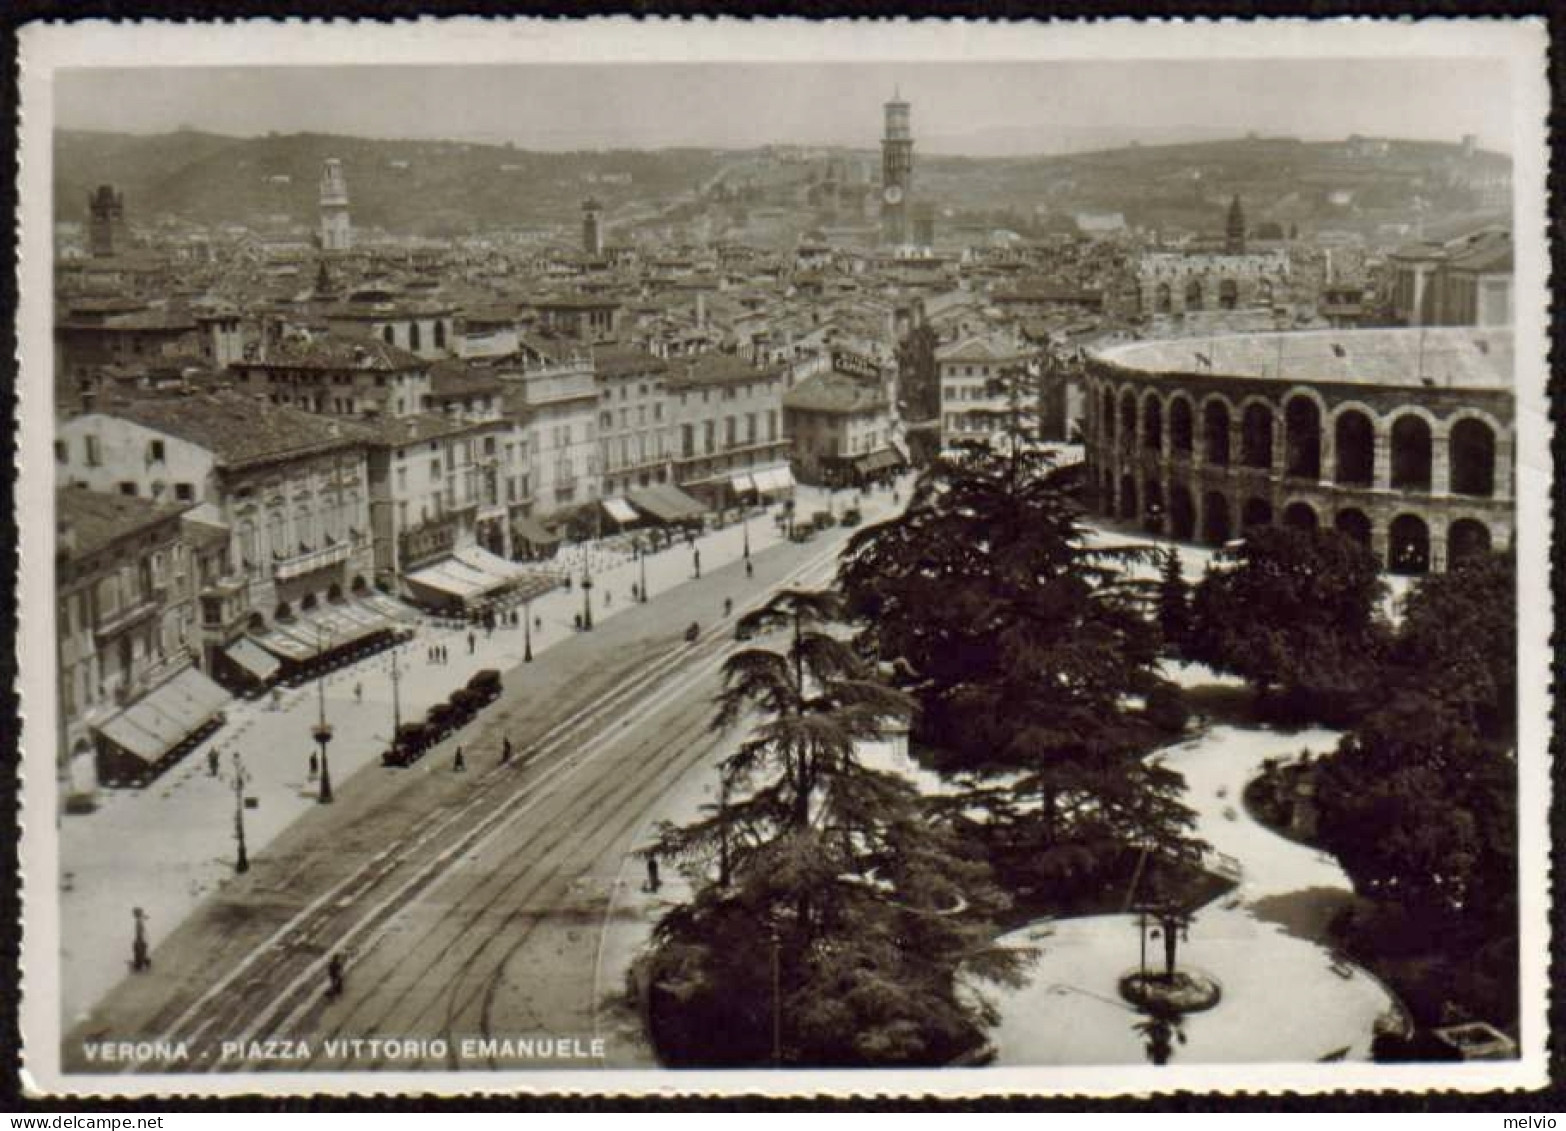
(896, 173)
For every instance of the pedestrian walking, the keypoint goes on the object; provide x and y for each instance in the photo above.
(358, 693)
(538, 623)
(472, 642)
(728, 605)
(608, 598)
(458, 764)
(334, 976)
(505, 750)
(315, 764)
(750, 570)
(212, 762)
(652, 873)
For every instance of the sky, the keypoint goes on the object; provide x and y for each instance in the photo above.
(979, 109)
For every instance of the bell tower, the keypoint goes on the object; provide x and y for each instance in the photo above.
(1234, 232)
(336, 234)
(592, 228)
(896, 172)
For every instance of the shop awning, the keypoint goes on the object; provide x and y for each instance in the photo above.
(253, 659)
(666, 503)
(774, 480)
(448, 579)
(388, 607)
(488, 563)
(743, 483)
(166, 716)
(280, 642)
(881, 460)
(620, 510)
(900, 448)
(532, 532)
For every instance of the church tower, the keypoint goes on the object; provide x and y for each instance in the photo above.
(592, 228)
(896, 172)
(1234, 234)
(336, 235)
(106, 222)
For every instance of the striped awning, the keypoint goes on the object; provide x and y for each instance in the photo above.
(166, 716)
(743, 483)
(620, 510)
(253, 659)
(774, 480)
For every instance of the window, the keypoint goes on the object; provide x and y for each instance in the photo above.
(127, 488)
(435, 470)
(657, 410)
(402, 480)
(687, 440)
(440, 335)
(389, 334)
(184, 492)
(59, 451)
(730, 431)
(415, 342)
(750, 428)
(772, 424)
(93, 456)
(709, 432)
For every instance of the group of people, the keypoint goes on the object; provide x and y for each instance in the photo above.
(435, 654)
(459, 764)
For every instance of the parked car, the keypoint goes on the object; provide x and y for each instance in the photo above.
(443, 718)
(466, 703)
(487, 684)
(409, 744)
(851, 517)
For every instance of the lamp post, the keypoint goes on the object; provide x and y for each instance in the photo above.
(641, 559)
(139, 959)
(696, 560)
(527, 631)
(396, 678)
(241, 859)
(745, 529)
(587, 600)
(322, 732)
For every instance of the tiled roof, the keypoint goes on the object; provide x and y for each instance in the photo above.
(720, 369)
(240, 429)
(336, 351)
(980, 349)
(96, 518)
(835, 392)
(625, 361)
(400, 431)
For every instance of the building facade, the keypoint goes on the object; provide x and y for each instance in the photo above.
(338, 375)
(635, 424)
(727, 414)
(1400, 439)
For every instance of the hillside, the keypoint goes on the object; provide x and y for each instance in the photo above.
(427, 187)
(446, 187)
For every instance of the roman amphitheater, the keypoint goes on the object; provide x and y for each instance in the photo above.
(1401, 439)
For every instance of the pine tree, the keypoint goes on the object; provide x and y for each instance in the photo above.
(1174, 604)
(1023, 643)
(864, 903)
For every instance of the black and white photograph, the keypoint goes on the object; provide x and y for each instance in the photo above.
(639, 557)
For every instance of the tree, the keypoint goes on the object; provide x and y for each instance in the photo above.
(865, 905)
(1174, 604)
(1025, 645)
(1458, 638)
(1297, 616)
(1421, 813)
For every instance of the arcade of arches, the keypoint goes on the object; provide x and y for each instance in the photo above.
(1419, 489)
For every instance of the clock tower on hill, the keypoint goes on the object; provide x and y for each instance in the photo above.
(896, 173)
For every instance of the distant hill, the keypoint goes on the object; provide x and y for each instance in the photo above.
(429, 187)
(447, 187)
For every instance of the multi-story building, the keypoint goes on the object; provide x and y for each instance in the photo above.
(130, 698)
(290, 487)
(426, 328)
(441, 487)
(841, 428)
(635, 425)
(1463, 281)
(338, 375)
(96, 332)
(557, 400)
(975, 400)
(581, 318)
(728, 417)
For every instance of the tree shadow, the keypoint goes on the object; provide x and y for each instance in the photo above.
(1305, 914)
(1223, 703)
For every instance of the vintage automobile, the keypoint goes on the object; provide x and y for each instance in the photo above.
(442, 719)
(465, 703)
(487, 684)
(409, 745)
(692, 632)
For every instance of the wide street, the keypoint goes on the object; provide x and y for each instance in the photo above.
(467, 904)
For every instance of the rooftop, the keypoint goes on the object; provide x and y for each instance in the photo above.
(96, 519)
(335, 351)
(240, 429)
(459, 379)
(721, 369)
(835, 393)
(400, 431)
(1449, 356)
(626, 361)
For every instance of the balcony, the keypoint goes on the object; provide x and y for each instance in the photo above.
(286, 569)
(133, 613)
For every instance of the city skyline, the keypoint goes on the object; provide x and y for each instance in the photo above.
(1007, 109)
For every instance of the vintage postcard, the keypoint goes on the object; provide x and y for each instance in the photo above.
(853, 558)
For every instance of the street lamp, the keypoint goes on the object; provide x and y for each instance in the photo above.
(322, 731)
(527, 631)
(587, 600)
(696, 559)
(745, 529)
(242, 859)
(396, 678)
(139, 959)
(641, 558)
